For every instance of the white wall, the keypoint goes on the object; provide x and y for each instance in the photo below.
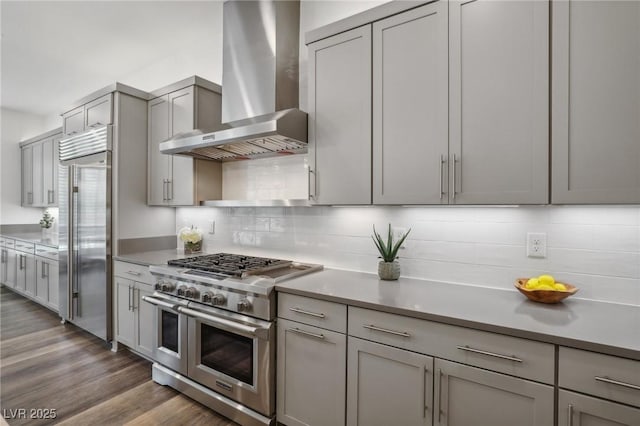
(596, 248)
(15, 127)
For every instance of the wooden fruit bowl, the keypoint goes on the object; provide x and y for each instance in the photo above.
(544, 296)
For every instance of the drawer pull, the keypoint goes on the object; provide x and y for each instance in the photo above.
(616, 382)
(385, 330)
(478, 351)
(137, 274)
(307, 333)
(303, 312)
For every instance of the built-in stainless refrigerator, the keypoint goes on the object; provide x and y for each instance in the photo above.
(85, 231)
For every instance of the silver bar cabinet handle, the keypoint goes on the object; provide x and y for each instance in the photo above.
(312, 194)
(129, 294)
(617, 382)
(164, 190)
(440, 395)
(137, 274)
(307, 333)
(481, 352)
(303, 312)
(454, 176)
(42, 275)
(441, 171)
(170, 189)
(386, 330)
(570, 415)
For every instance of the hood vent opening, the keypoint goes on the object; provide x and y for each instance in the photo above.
(259, 87)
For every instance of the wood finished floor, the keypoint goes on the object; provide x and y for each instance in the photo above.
(44, 364)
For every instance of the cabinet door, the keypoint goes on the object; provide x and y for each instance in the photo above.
(50, 172)
(580, 410)
(99, 112)
(340, 118)
(181, 119)
(37, 175)
(27, 175)
(28, 274)
(310, 396)
(145, 324)
(388, 386)
(499, 102)
(471, 396)
(42, 280)
(10, 268)
(73, 122)
(159, 164)
(125, 322)
(410, 107)
(52, 279)
(596, 102)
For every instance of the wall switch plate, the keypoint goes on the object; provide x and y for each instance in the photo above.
(397, 234)
(537, 244)
(212, 227)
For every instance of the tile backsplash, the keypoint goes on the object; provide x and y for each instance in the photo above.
(596, 248)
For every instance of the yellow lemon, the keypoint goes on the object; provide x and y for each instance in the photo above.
(532, 283)
(547, 280)
(544, 287)
(560, 287)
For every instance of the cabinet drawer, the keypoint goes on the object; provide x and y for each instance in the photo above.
(46, 251)
(7, 242)
(601, 375)
(25, 247)
(320, 313)
(133, 271)
(497, 352)
(99, 112)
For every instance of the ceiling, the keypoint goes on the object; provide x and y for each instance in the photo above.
(56, 52)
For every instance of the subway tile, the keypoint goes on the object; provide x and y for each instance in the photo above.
(616, 238)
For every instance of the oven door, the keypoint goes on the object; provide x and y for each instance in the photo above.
(233, 355)
(170, 343)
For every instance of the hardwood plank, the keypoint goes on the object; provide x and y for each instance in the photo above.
(179, 410)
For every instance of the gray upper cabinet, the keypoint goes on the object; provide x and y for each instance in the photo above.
(596, 102)
(40, 170)
(410, 107)
(96, 113)
(472, 396)
(173, 179)
(498, 100)
(340, 118)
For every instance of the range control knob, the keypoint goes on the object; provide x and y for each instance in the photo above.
(191, 293)
(219, 300)
(167, 286)
(244, 305)
(181, 290)
(206, 297)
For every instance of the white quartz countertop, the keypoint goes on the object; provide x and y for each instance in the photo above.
(33, 237)
(602, 327)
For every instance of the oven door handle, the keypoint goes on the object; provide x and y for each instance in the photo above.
(226, 324)
(158, 302)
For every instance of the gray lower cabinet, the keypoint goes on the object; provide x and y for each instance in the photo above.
(26, 274)
(340, 118)
(311, 375)
(467, 395)
(134, 326)
(580, 410)
(46, 276)
(387, 385)
(498, 102)
(595, 102)
(410, 107)
(8, 266)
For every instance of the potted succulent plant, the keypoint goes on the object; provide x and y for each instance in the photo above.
(388, 267)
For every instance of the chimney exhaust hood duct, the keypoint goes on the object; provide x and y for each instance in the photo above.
(260, 112)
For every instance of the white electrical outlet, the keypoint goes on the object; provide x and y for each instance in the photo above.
(212, 227)
(537, 244)
(397, 234)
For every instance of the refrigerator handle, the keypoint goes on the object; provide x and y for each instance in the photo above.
(72, 238)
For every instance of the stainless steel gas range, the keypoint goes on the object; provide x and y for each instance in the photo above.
(215, 331)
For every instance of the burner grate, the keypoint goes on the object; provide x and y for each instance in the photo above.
(230, 264)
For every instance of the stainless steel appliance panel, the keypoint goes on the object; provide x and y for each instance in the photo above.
(170, 342)
(63, 243)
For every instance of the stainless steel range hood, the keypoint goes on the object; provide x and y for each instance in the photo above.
(259, 86)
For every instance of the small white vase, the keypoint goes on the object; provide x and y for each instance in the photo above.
(389, 271)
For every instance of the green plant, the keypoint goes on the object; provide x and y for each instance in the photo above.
(389, 250)
(47, 220)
